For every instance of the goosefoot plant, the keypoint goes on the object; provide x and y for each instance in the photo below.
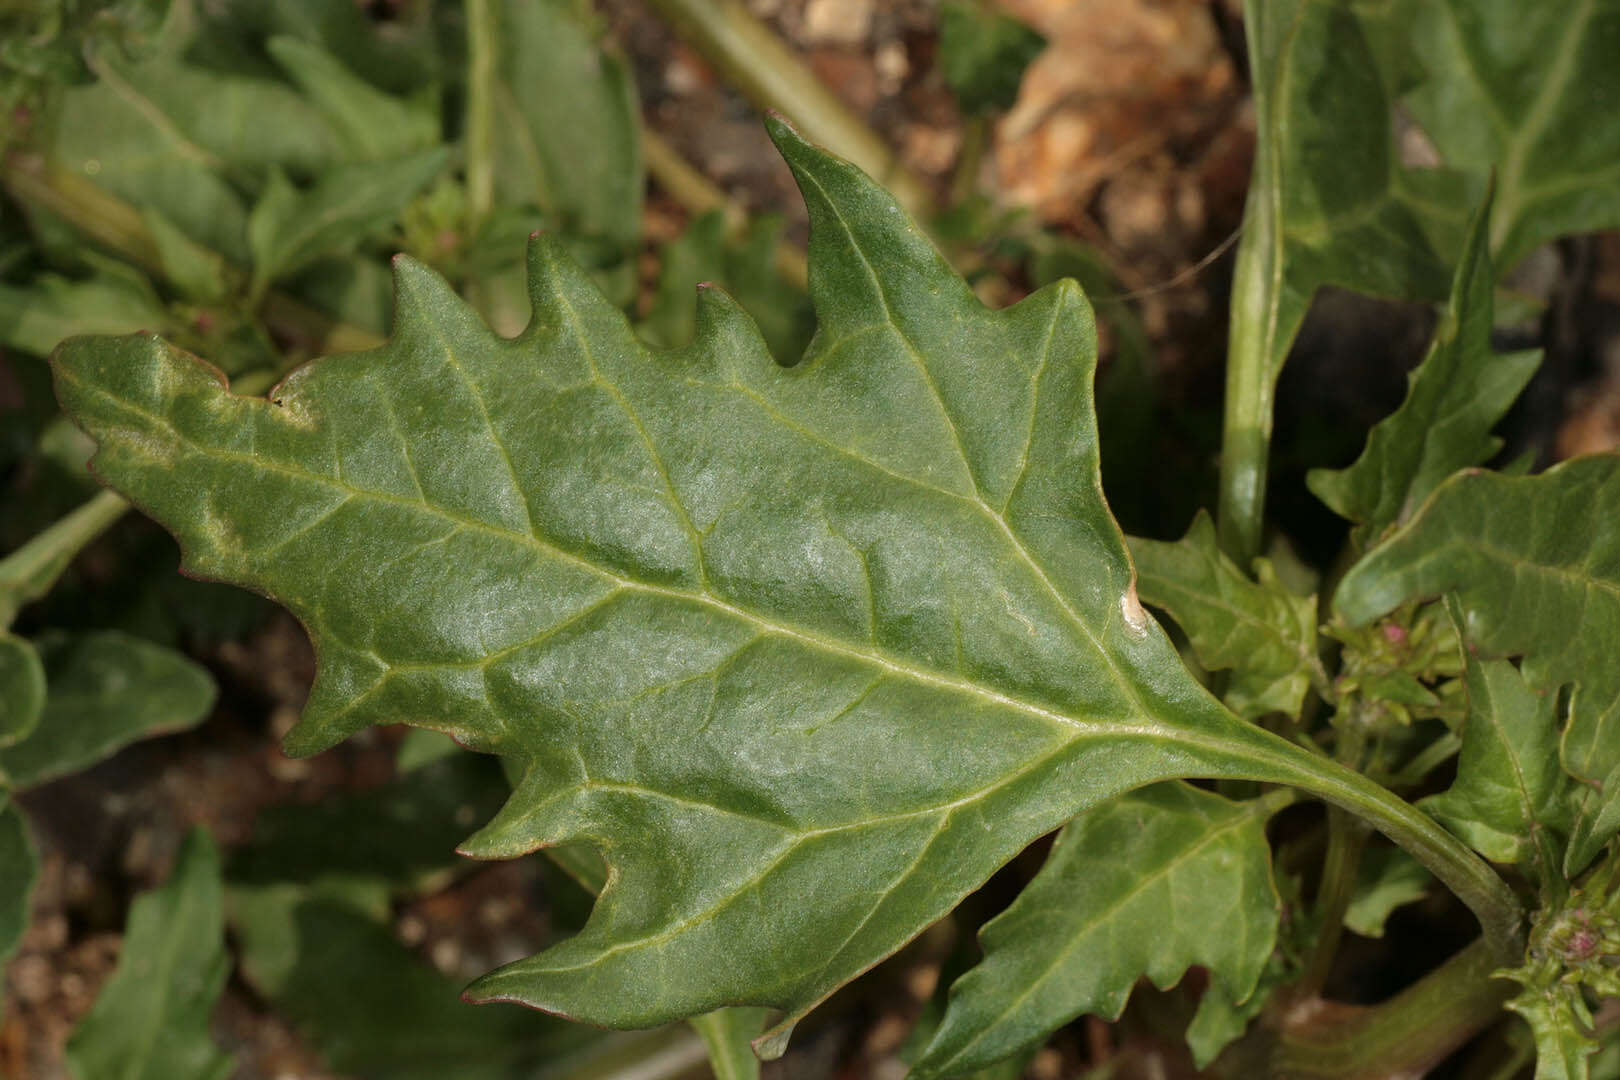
(807, 653)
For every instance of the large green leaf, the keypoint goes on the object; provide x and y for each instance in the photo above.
(1147, 885)
(150, 1021)
(1455, 397)
(806, 652)
(1519, 89)
(1263, 633)
(1511, 799)
(106, 689)
(1535, 563)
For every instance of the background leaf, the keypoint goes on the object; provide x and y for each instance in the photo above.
(1147, 885)
(983, 53)
(1453, 400)
(1261, 632)
(1387, 878)
(1499, 85)
(570, 138)
(807, 652)
(1511, 800)
(373, 125)
(1535, 564)
(22, 689)
(289, 228)
(106, 689)
(150, 1021)
(19, 864)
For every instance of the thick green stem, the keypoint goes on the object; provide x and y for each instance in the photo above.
(29, 572)
(771, 75)
(1346, 839)
(1500, 914)
(1406, 1035)
(480, 116)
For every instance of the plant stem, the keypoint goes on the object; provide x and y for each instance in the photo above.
(694, 191)
(772, 76)
(29, 572)
(480, 118)
(1346, 839)
(1467, 875)
(1406, 1035)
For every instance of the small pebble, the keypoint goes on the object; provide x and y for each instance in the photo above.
(837, 22)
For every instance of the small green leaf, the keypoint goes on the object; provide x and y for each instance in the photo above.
(150, 1021)
(395, 835)
(374, 126)
(1511, 87)
(22, 690)
(1535, 564)
(164, 135)
(195, 272)
(1147, 885)
(28, 573)
(745, 267)
(1511, 800)
(1559, 1020)
(19, 865)
(1453, 400)
(568, 131)
(1259, 630)
(289, 228)
(983, 54)
(1388, 878)
(370, 1005)
(115, 299)
(106, 689)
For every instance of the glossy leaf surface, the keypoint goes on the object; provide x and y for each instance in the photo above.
(1535, 564)
(1146, 885)
(150, 1021)
(807, 652)
(1261, 632)
(106, 689)
(1453, 400)
(1512, 88)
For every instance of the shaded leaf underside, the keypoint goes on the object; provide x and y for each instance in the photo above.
(806, 653)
